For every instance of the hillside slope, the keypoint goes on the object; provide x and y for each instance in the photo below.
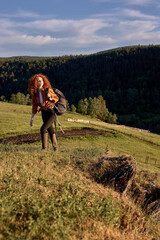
(44, 195)
(55, 196)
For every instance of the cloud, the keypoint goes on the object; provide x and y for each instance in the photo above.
(129, 2)
(116, 28)
(137, 14)
(29, 40)
(136, 30)
(138, 2)
(131, 27)
(55, 25)
(79, 32)
(125, 13)
(20, 14)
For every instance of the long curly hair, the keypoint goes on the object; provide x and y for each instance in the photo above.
(33, 83)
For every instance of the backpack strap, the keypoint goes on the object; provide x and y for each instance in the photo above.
(47, 89)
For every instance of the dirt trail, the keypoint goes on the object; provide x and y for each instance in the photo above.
(34, 137)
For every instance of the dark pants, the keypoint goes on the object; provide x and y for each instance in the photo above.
(48, 119)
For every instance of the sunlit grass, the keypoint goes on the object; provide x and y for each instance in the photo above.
(43, 197)
(15, 119)
(51, 196)
(47, 195)
(144, 146)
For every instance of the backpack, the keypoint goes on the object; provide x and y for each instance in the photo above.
(60, 106)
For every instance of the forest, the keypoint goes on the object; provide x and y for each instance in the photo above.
(128, 78)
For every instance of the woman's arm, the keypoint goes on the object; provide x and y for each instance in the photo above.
(34, 109)
(34, 105)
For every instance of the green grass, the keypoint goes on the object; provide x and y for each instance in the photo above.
(51, 196)
(44, 195)
(132, 132)
(15, 119)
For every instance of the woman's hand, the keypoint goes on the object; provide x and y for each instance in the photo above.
(31, 122)
(49, 96)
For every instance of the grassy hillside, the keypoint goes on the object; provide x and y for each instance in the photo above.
(52, 196)
(15, 119)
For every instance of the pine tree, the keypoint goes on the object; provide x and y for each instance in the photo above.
(81, 108)
(73, 108)
(13, 98)
(93, 107)
(103, 111)
(2, 98)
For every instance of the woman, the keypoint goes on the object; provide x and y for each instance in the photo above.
(44, 97)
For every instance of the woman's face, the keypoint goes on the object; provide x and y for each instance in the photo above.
(40, 82)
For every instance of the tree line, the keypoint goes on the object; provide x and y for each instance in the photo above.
(128, 79)
(96, 108)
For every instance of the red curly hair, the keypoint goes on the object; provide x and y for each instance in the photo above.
(33, 87)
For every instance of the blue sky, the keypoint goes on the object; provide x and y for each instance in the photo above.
(73, 27)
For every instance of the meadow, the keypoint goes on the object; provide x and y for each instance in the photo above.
(47, 195)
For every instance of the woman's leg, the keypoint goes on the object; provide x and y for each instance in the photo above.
(53, 137)
(48, 119)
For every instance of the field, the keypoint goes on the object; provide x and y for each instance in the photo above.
(47, 195)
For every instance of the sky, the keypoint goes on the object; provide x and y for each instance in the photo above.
(73, 27)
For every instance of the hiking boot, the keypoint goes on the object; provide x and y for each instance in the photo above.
(54, 142)
(44, 141)
(55, 149)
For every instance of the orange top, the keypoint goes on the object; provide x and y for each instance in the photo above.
(36, 100)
